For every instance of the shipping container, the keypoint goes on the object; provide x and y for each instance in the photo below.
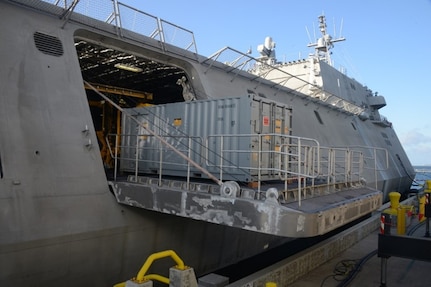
(231, 137)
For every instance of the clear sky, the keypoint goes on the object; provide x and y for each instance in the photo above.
(387, 47)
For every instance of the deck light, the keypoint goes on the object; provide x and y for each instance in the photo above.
(128, 67)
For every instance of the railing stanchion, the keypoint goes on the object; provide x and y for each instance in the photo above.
(116, 157)
(137, 158)
(188, 163)
(160, 164)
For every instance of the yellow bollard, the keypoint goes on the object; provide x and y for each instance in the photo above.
(394, 198)
(271, 284)
(421, 216)
(397, 212)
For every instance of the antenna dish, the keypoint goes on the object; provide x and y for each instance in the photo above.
(267, 51)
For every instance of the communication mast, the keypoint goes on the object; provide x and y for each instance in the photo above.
(324, 44)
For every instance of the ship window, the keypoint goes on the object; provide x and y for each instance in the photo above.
(48, 44)
(316, 113)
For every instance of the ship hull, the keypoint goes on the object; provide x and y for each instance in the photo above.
(111, 255)
(61, 224)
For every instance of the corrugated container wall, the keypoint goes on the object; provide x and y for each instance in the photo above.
(220, 135)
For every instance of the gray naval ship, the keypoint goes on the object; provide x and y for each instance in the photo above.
(119, 140)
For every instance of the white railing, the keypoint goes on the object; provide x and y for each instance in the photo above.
(274, 156)
(126, 20)
(237, 61)
(267, 157)
(376, 159)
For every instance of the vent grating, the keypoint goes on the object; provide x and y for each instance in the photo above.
(48, 44)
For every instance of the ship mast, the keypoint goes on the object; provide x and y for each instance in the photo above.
(325, 43)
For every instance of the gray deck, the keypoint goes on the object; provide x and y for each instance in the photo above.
(244, 209)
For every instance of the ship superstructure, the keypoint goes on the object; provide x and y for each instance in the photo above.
(316, 78)
(117, 139)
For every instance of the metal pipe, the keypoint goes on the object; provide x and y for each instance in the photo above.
(137, 158)
(116, 158)
(159, 255)
(158, 277)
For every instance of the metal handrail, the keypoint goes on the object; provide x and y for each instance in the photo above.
(298, 158)
(116, 13)
(142, 275)
(139, 150)
(151, 132)
(249, 61)
(374, 159)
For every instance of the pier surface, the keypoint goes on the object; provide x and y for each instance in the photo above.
(327, 263)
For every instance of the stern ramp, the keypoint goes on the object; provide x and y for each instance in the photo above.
(265, 212)
(309, 190)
